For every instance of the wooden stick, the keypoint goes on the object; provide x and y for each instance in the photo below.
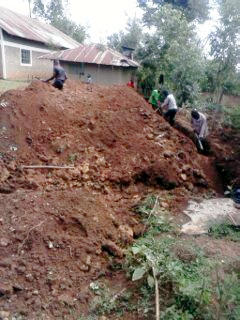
(47, 167)
(156, 295)
(154, 207)
(231, 218)
(28, 233)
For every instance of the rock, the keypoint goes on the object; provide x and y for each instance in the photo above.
(17, 288)
(4, 174)
(138, 230)
(50, 245)
(126, 233)
(164, 205)
(5, 289)
(67, 299)
(20, 269)
(88, 260)
(4, 314)
(202, 183)
(35, 293)
(5, 263)
(85, 168)
(168, 154)
(4, 242)
(84, 267)
(29, 277)
(112, 249)
(189, 186)
(150, 136)
(12, 165)
(183, 176)
(186, 168)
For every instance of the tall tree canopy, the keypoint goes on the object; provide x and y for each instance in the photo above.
(172, 49)
(225, 45)
(130, 37)
(193, 9)
(55, 13)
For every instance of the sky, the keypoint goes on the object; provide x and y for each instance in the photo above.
(103, 17)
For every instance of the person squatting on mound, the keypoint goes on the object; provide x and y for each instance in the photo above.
(59, 75)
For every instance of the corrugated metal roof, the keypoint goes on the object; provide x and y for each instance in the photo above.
(32, 29)
(92, 54)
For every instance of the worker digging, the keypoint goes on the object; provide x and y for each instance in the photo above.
(171, 105)
(59, 75)
(199, 125)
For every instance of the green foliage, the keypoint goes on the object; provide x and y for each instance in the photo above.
(106, 303)
(152, 217)
(232, 117)
(225, 47)
(174, 51)
(55, 13)
(228, 296)
(224, 230)
(130, 38)
(144, 208)
(193, 9)
(188, 288)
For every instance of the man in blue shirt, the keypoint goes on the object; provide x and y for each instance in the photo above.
(59, 75)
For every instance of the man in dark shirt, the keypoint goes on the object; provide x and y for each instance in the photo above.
(59, 75)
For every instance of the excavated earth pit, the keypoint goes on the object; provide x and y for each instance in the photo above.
(61, 229)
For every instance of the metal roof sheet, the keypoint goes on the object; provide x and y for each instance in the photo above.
(92, 54)
(32, 29)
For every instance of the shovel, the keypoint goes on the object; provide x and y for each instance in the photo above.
(199, 142)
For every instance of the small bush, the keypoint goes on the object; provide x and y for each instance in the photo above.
(232, 117)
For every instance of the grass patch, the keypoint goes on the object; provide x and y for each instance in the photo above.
(232, 117)
(190, 284)
(226, 231)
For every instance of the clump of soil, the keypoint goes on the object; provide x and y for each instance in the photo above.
(61, 228)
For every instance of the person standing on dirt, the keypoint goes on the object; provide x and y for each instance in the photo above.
(170, 103)
(200, 128)
(154, 98)
(59, 75)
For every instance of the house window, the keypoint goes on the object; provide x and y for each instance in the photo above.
(26, 57)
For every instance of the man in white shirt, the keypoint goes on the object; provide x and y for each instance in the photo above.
(200, 128)
(171, 105)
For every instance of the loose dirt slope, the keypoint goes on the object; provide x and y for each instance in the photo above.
(60, 228)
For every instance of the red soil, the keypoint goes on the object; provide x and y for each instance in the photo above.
(59, 227)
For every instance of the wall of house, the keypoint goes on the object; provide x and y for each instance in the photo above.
(1, 58)
(1, 67)
(100, 74)
(15, 69)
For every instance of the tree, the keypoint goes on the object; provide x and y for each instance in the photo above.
(225, 46)
(131, 37)
(175, 52)
(193, 9)
(55, 13)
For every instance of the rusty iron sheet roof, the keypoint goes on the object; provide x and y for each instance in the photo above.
(96, 54)
(32, 29)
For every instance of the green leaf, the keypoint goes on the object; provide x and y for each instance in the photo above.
(150, 281)
(138, 274)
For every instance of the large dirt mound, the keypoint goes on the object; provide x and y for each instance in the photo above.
(59, 227)
(109, 134)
